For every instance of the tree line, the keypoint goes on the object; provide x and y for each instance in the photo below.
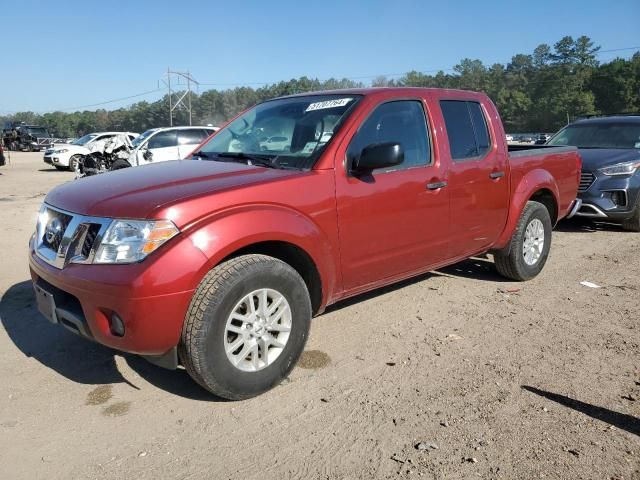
(536, 92)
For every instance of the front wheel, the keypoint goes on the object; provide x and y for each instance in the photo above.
(120, 164)
(530, 244)
(73, 163)
(632, 224)
(246, 326)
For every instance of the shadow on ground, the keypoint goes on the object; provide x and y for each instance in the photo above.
(618, 420)
(583, 225)
(76, 358)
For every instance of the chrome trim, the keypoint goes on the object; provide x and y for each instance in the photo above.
(577, 204)
(597, 213)
(70, 249)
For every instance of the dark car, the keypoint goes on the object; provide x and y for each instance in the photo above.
(610, 181)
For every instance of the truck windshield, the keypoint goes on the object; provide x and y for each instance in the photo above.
(293, 130)
(599, 135)
(38, 132)
(84, 140)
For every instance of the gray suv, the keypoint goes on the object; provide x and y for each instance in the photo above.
(610, 181)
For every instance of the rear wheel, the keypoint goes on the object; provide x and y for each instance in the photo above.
(530, 244)
(246, 326)
(632, 224)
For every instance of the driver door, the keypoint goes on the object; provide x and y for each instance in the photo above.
(163, 146)
(392, 221)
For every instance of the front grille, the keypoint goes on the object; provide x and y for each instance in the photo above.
(54, 229)
(586, 180)
(90, 239)
(63, 237)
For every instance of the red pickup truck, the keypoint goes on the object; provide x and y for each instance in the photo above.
(219, 262)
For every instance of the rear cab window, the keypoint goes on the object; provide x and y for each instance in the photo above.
(466, 128)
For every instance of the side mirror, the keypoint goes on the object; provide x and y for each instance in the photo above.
(379, 155)
(146, 154)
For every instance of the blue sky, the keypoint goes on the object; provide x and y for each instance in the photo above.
(75, 53)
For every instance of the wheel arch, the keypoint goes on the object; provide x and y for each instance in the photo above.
(294, 256)
(280, 233)
(537, 185)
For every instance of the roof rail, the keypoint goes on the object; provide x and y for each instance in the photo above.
(621, 114)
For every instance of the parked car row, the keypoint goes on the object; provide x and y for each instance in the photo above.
(219, 262)
(154, 145)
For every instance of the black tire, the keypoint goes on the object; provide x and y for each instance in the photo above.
(73, 161)
(120, 164)
(202, 345)
(632, 224)
(513, 265)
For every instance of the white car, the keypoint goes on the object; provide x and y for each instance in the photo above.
(276, 143)
(66, 155)
(171, 143)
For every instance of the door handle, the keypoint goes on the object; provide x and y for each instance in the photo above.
(436, 185)
(496, 175)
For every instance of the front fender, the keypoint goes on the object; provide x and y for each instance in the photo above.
(231, 230)
(530, 183)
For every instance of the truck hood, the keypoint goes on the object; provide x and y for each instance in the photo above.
(595, 158)
(137, 192)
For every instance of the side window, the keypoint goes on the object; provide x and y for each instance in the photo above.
(480, 127)
(163, 139)
(400, 122)
(190, 137)
(466, 129)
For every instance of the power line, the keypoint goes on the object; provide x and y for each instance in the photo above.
(111, 101)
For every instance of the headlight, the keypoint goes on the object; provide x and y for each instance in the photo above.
(129, 241)
(626, 168)
(64, 150)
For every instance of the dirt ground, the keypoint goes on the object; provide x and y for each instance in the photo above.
(456, 374)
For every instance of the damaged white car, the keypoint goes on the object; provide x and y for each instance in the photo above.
(67, 155)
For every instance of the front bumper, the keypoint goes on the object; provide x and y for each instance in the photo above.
(610, 197)
(151, 298)
(56, 159)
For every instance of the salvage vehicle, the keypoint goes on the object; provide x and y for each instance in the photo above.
(27, 138)
(106, 155)
(171, 143)
(67, 155)
(610, 150)
(218, 263)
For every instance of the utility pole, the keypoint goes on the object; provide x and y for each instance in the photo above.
(179, 103)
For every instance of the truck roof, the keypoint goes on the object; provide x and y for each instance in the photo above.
(399, 91)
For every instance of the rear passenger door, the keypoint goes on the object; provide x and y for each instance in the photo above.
(188, 139)
(478, 178)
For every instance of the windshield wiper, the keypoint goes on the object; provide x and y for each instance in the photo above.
(251, 159)
(200, 154)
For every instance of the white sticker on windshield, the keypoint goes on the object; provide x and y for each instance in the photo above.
(340, 102)
(309, 147)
